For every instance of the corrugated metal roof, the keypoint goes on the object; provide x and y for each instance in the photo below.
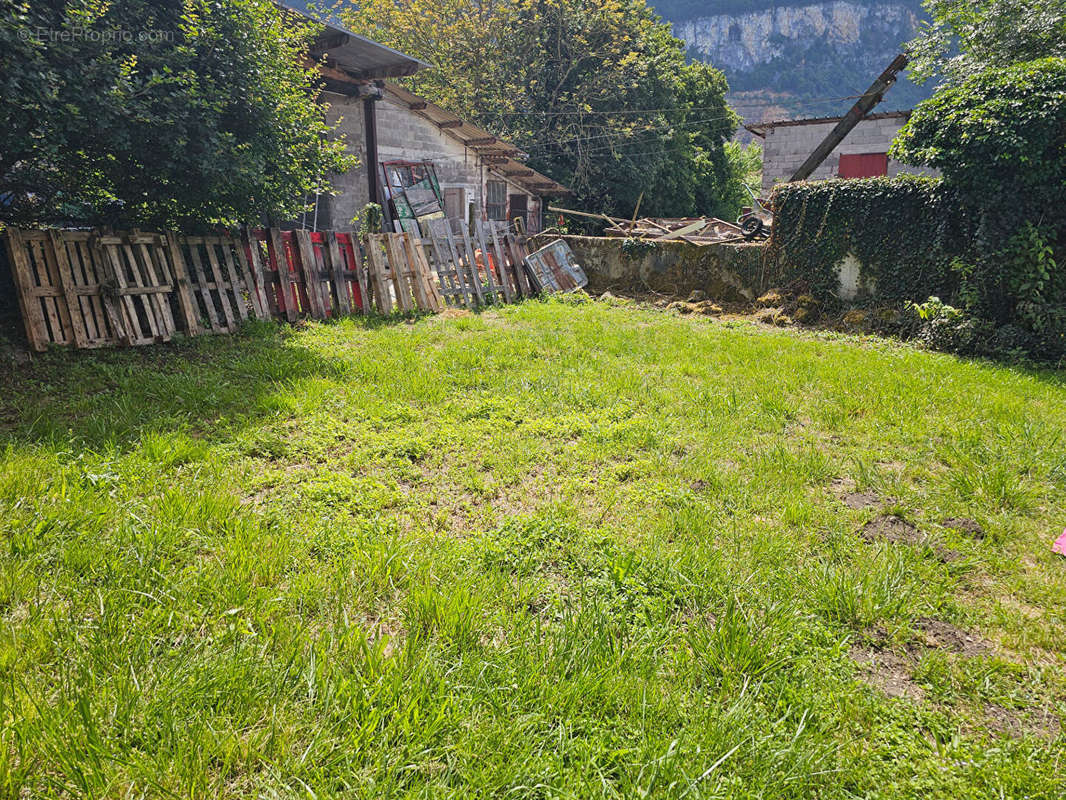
(501, 157)
(357, 55)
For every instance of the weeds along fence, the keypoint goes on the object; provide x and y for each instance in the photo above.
(97, 289)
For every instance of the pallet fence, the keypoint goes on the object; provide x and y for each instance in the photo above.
(90, 289)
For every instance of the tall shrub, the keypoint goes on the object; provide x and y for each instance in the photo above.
(170, 112)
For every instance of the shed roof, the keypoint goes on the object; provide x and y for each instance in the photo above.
(760, 128)
(501, 157)
(356, 55)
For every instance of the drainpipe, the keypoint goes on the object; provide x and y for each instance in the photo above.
(370, 116)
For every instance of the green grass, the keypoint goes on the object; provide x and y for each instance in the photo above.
(553, 550)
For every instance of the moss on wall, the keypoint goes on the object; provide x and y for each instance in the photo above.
(723, 271)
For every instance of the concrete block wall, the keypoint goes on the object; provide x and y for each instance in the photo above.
(786, 147)
(402, 136)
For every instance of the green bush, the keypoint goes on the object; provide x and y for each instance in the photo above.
(989, 236)
(999, 138)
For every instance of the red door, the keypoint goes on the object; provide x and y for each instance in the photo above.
(863, 165)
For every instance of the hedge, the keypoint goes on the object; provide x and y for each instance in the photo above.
(916, 239)
(906, 232)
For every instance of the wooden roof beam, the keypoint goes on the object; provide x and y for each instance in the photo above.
(418, 106)
(451, 123)
(480, 142)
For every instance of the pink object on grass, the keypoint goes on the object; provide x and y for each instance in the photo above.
(1060, 545)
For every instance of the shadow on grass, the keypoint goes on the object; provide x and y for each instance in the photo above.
(110, 397)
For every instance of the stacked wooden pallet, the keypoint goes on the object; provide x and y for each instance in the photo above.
(91, 289)
(475, 269)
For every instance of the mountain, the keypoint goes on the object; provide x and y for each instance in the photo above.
(797, 58)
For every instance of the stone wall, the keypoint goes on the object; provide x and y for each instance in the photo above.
(786, 147)
(729, 272)
(403, 136)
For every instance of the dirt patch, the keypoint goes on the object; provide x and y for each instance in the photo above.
(887, 672)
(860, 500)
(946, 555)
(891, 529)
(945, 636)
(964, 525)
(454, 313)
(1040, 723)
(849, 495)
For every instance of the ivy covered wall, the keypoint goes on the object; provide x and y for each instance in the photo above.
(904, 232)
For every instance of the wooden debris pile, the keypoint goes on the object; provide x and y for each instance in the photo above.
(696, 230)
(97, 289)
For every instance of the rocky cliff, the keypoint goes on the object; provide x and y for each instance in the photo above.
(794, 58)
(744, 41)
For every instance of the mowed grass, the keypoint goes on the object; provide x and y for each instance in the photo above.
(552, 550)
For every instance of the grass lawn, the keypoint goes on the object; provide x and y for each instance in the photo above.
(554, 550)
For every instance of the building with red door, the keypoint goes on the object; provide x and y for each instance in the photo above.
(862, 154)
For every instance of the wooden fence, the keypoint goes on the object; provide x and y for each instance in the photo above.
(92, 289)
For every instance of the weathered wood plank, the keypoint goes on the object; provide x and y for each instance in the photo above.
(64, 274)
(22, 271)
(341, 289)
(309, 268)
(210, 243)
(186, 301)
(203, 285)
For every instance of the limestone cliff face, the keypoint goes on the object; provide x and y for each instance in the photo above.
(795, 58)
(740, 42)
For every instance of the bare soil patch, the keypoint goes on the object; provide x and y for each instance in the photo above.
(945, 636)
(964, 525)
(891, 529)
(1040, 723)
(886, 671)
(860, 500)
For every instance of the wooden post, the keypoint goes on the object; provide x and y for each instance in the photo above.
(864, 106)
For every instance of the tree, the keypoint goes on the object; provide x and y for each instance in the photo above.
(999, 138)
(598, 93)
(967, 36)
(168, 113)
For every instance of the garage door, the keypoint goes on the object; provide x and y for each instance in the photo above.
(863, 165)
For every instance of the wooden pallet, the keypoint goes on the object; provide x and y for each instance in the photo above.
(401, 275)
(478, 269)
(222, 288)
(93, 290)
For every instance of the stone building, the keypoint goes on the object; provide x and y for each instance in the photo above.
(862, 154)
(416, 159)
(476, 175)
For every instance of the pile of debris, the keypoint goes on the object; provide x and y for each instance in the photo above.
(695, 230)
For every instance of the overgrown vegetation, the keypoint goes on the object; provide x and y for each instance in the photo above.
(545, 551)
(158, 114)
(906, 232)
(598, 93)
(964, 37)
(990, 237)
